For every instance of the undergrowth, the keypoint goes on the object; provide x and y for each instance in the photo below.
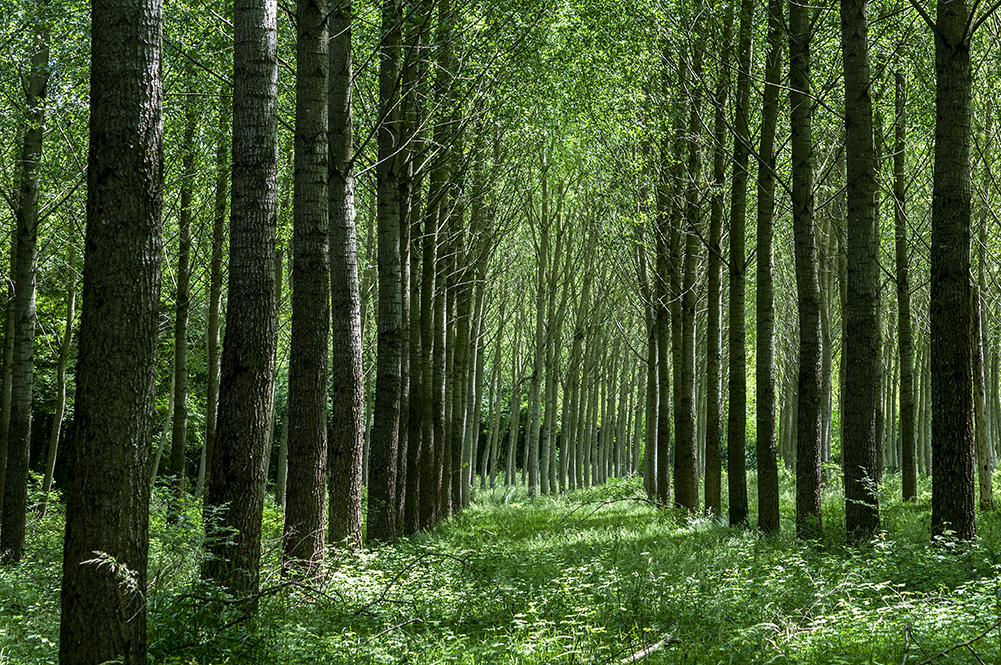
(597, 576)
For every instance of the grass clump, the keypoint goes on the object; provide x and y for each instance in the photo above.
(596, 576)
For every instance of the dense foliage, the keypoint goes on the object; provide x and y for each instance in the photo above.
(591, 577)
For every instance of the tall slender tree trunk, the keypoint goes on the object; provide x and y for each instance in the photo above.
(905, 345)
(246, 385)
(686, 471)
(953, 480)
(539, 366)
(651, 392)
(215, 296)
(182, 302)
(381, 523)
(306, 415)
(107, 497)
(714, 326)
(15, 488)
(736, 423)
(808, 426)
(862, 339)
(983, 442)
(57, 417)
(666, 298)
(347, 394)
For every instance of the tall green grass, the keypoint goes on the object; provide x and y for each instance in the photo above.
(596, 576)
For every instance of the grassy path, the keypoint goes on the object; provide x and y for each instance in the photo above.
(601, 576)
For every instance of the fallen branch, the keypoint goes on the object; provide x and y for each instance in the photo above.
(640, 655)
(390, 629)
(962, 645)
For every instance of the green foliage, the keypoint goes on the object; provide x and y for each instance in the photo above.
(592, 577)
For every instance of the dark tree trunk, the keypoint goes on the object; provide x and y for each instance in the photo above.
(714, 326)
(954, 477)
(107, 496)
(305, 497)
(179, 424)
(862, 339)
(386, 424)
(736, 423)
(347, 404)
(57, 417)
(246, 385)
(15, 486)
(414, 93)
(664, 284)
(215, 296)
(686, 468)
(651, 394)
(808, 425)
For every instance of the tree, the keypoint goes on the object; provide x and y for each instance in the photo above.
(686, 470)
(862, 339)
(305, 499)
(386, 424)
(221, 197)
(953, 481)
(15, 486)
(808, 429)
(107, 498)
(909, 470)
(182, 303)
(736, 423)
(236, 487)
(347, 403)
(714, 329)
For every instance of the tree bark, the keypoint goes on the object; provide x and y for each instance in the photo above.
(714, 327)
(808, 426)
(905, 345)
(347, 403)
(953, 480)
(736, 423)
(15, 487)
(862, 339)
(983, 442)
(107, 496)
(386, 424)
(246, 386)
(686, 471)
(305, 498)
(57, 417)
(215, 297)
(179, 424)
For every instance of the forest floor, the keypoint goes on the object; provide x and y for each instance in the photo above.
(597, 576)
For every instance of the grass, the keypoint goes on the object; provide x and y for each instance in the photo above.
(592, 577)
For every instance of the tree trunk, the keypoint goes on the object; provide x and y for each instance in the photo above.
(15, 487)
(57, 418)
(179, 425)
(808, 426)
(306, 415)
(381, 523)
(714, 326)
(246, 385)
(984, 475)
(686, 471)
(953, 480)
(215, 297)
(107, 497)
(862, 340)
(909, 466)
(347, 397)
(535, 401)
(736, 423)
